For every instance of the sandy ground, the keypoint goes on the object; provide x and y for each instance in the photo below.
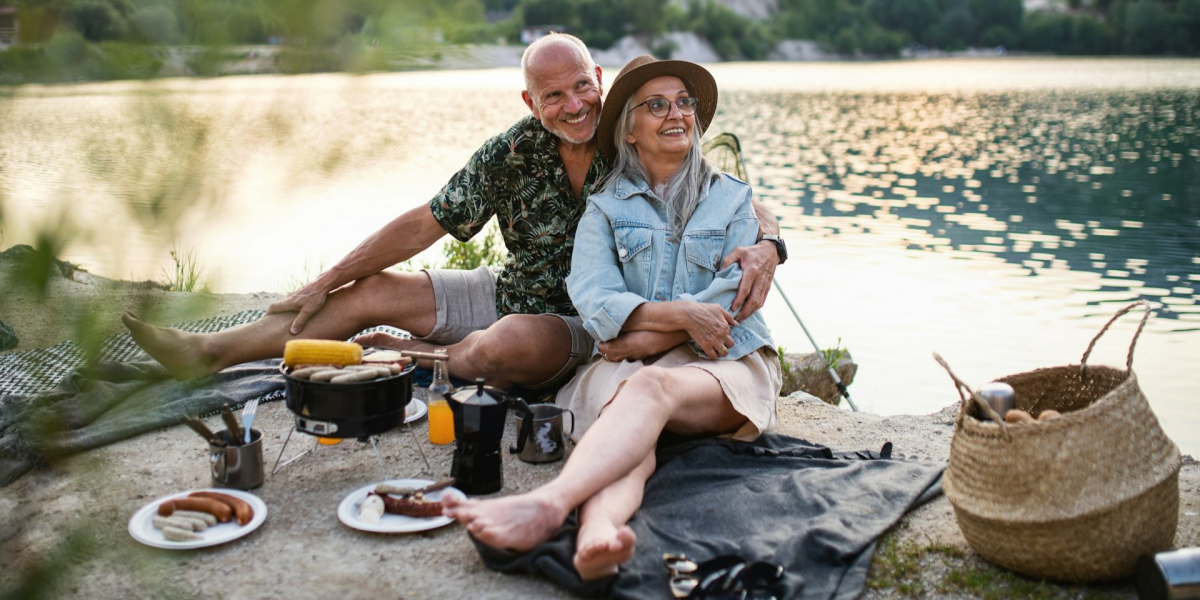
(303, 551)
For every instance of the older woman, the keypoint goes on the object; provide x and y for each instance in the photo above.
(646, 277)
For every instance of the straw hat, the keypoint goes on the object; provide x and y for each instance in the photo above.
(697, 79)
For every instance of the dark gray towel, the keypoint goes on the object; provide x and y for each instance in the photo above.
(110, 402)
(780, 499)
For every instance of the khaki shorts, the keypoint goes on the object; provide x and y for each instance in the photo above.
(466, 303)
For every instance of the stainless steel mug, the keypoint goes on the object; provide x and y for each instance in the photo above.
(1169, 575)
(237, 467)
(1000, 396)
(546, 442)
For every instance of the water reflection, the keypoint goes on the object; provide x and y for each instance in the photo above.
(1105, 182)
(995, 211)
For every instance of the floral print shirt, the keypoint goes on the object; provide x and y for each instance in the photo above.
(519, 177)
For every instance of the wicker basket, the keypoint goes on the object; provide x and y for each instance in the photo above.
(1077, 498)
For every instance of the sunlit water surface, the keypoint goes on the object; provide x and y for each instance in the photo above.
(995, 211)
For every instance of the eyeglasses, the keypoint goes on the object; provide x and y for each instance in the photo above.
(724, 577)
(661, 107)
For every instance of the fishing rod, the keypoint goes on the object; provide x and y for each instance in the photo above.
(732, 142)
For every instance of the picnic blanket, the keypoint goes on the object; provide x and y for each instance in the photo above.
(779, 499)
(54, 404)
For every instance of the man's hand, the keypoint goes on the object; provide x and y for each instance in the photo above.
(639, 345)
(307, 300)
(709, 326)
(758, 270)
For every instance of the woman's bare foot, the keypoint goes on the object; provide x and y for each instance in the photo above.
(515, 523)
(601, 547)
(178, 351)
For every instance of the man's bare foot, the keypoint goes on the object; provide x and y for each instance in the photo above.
(515, 523)
(380, 339)
(601, 547)
(178, 351)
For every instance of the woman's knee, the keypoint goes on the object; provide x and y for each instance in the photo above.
(649, 384)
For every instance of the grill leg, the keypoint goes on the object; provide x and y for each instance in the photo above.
(293, 459)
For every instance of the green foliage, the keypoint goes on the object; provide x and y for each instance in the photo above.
(897, 566)
(486, 249)
(369, 35)
(155, 25)
(187, 275)
(733, 36)
(96, 20)
(833, 355)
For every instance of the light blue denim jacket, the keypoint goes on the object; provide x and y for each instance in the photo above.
(624, 256)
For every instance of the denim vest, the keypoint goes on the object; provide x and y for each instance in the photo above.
(625, 255)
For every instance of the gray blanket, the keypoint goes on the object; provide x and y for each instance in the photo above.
(100, 405)
(781, 500)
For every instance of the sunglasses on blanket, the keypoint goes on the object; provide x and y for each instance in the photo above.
(722, 577)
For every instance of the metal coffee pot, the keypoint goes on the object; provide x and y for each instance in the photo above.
(479, 417)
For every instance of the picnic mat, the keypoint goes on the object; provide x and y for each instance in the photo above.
(53, 404)
(779, 499)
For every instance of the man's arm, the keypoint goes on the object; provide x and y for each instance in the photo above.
(758, 264)
(401, 239)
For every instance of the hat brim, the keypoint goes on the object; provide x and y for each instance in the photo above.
(698, 81)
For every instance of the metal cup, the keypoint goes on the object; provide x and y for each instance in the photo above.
(545, 443)
(237, 467)
(1169, 575)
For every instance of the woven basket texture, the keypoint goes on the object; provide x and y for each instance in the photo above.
(1076, 498)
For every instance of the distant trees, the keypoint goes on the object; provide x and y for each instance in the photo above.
(872, 27)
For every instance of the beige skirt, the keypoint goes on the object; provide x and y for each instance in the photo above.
(751, 383)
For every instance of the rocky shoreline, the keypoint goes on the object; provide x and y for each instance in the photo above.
(83, 504)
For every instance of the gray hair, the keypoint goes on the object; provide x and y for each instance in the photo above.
(555, 39)
(682, 192)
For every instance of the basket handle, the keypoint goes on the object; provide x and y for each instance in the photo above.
(1129, 360)
(962, 407)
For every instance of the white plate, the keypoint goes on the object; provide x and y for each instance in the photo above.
(348, 510)
(142, 528)
(415, 410)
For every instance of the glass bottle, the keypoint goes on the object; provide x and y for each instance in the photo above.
(441, 419)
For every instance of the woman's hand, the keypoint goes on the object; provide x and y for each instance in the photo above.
(709, 326)
(639, 345)
(307, 300)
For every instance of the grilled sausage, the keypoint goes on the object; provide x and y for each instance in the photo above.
(191, 514)
(240, 507)
(218, 509)
(411, 508)
(179, 535)
(177, 522)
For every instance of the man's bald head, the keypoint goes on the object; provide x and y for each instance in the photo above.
(553, 48)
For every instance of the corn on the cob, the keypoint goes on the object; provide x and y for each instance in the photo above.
(321, 352)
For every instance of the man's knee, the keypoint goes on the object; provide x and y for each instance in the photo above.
(519, 343)
(390, 283)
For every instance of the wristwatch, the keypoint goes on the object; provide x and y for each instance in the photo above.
(780, 247)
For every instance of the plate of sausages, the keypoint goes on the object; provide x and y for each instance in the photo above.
(398, 506)
(197, 518)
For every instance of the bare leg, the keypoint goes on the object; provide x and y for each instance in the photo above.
(517, 349)
(402, 300)
(683, 400)
(605, 541)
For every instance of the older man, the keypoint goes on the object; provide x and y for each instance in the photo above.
(514, 328)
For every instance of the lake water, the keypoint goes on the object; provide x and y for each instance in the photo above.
(995, 211)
